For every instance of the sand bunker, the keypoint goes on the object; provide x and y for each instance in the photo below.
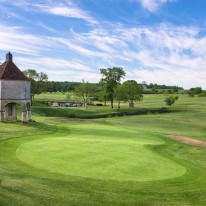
(187, 140)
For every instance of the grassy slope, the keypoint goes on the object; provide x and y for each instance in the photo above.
(22, 184)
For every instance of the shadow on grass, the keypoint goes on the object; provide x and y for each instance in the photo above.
(12, 130)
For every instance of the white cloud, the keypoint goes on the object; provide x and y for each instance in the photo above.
(165, 53)
(59, 69)
(65, 8)
(153, 5)
(14, 39)
(82, 50)
(52, 64)
(107, 46)
(184, 78)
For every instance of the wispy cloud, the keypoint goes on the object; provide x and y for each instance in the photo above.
(44, 26)
(164, 53)
(153, 5)
(14, 39)
(65, 8)
(53, 64)
(59, 69)
(81, 49)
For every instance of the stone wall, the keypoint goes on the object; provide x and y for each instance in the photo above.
(14, 90)
(0, 92)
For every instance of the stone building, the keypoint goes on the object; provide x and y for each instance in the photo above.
(14, 91)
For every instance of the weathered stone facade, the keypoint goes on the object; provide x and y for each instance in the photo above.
(14, 90)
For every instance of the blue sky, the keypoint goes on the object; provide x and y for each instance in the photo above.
(157, 41)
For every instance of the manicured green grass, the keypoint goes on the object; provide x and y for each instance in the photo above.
(114, 161)
(120, 154)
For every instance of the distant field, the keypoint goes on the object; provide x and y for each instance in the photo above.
(59, 160)
(149, 100)
(57, 96)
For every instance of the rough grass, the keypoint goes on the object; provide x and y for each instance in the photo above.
(22, 183)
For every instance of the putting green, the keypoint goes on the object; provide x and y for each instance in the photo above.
(104, 153)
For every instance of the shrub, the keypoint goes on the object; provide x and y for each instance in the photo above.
(171, 99)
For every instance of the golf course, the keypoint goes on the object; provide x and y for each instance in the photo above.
(59, 159)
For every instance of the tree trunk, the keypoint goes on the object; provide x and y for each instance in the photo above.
(131, 104)
(112, 103)
(83, 100)
(105, 100)
(118, 104)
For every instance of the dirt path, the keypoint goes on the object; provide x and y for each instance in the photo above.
(187, 140)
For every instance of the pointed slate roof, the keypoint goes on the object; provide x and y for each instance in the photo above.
(9, 71)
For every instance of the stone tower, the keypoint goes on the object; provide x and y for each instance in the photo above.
(14, 90)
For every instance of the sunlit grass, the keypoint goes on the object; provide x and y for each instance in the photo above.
(62, 161)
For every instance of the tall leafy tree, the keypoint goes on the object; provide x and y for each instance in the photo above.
(86, 90)
(31, 74)
(110, 78)
(196, 90)
(134, 91)
(102, 94)
(120, 93)
(37, 81)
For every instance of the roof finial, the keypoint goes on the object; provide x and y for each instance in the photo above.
(9, 57)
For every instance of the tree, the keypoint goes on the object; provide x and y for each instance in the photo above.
(203, 94)
(110, 78)
(103, 94)
(42, 76)
(191, 95)
(144, 85)
(120, 93)
(37, 81)
(134, 91)
(86, 91)
(196, 90)
(171, 99)
(31, 74)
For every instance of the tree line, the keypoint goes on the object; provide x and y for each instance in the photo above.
(40, 83)
(162, 86)
(109, 88)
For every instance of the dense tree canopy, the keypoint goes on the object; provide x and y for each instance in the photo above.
(162, 86)
(134, 91)
(53, 86)
(196, 90)
(102, 94)
(120, 93)
(110, 78)
(86, 91)
(37, 81)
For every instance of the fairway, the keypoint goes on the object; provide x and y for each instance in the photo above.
(128, 160)
(106, 153)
